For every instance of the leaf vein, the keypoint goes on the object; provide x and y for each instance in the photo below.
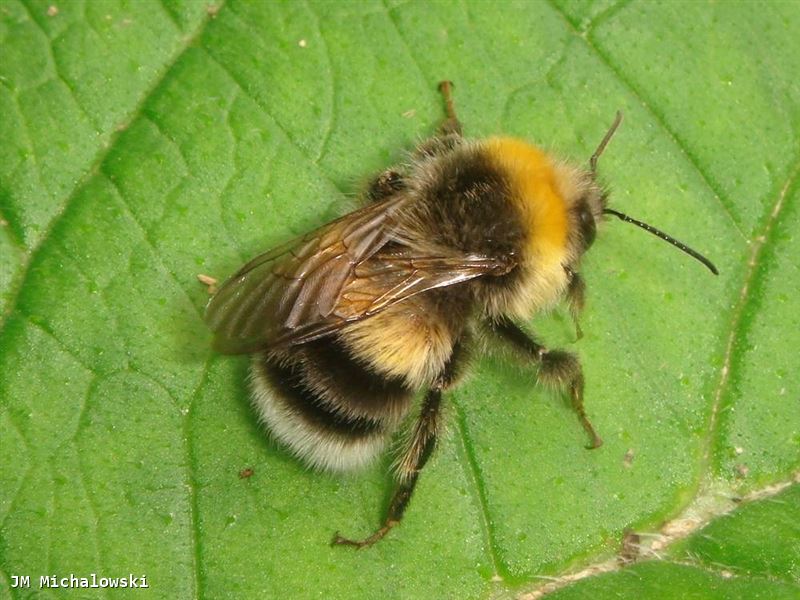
(737, 323)
(671, 534)
(93, 509)
(605, 15)
(264, 110)
(330, 101)
(51, 334)
(94, 166)
(679, 143)
(469, 463)
(153, 248)
(191, 467)
(15, 497)
(167, 10)
(406, 45)
(13, 234)
(31, 148)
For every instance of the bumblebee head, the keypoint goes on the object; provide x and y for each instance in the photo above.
(586, 201)
(555, 210)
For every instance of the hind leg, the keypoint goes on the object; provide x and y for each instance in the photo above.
(416, 454)
(418, 449)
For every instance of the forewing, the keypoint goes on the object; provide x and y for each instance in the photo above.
(297, 284)
(345, 271)
(388, 278)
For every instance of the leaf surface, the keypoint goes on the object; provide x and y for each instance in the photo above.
(753, 552)
(146, 143)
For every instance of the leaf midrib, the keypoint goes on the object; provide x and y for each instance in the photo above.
(760, 241)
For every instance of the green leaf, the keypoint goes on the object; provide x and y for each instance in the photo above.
(145, 143)
(753, 552)
(762, 538)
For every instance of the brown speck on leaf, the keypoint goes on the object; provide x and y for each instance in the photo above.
(631, 547)
(246, 473)
(742, 471)
(409, 114)
(211, 282)
(52, 10)
(627, 460)
(212, 10)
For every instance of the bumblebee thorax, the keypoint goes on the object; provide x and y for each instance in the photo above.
(537, 194)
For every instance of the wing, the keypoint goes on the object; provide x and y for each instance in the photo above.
(391, 277)
(345, 271)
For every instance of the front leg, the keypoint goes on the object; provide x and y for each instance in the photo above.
(451, 125)
(576, 298)
(447, 138)
(556, 368)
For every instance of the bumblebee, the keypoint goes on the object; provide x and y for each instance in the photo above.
(348, 324)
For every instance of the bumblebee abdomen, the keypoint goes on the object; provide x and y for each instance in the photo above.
(326, 406)
(411, 341)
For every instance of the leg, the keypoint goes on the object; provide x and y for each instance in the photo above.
(418, 450)
(451, 125)
(556, 368)
(449, 134)
(576, 298)
(384, 185)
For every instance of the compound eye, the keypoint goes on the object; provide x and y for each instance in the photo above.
(588, 228)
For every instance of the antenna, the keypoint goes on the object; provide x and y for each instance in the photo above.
(645, 226)
(607, 138)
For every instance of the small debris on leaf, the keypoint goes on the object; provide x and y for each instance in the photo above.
(209, 281)
(627, 460)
